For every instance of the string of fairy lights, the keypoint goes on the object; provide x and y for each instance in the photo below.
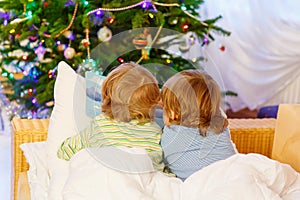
(69, 52)
(104, 34)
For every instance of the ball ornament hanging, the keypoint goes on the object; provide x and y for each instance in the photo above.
(104, 34)
(69, 53)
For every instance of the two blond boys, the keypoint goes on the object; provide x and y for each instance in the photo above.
(195, 134)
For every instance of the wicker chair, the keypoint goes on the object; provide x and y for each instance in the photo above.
(249, 136)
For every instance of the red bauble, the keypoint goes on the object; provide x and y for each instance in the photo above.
(111, 20)
(121, 60)
(85, 42)
(222, 48)
(185, 27)
(24, 57)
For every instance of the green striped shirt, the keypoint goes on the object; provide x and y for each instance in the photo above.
(106, 132)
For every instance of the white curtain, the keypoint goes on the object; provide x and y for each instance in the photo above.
(262, 54)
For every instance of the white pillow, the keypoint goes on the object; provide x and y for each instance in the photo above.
(68, 118)
(38, 178)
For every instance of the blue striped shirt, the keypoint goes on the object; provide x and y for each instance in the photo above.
(186, 151)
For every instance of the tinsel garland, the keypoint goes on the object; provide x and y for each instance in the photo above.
(7, 108)
(12, 109)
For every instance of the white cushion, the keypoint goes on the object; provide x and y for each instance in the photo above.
(38, 178)
(68, 118)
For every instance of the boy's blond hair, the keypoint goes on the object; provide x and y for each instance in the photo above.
(130, 92)
(192, 98)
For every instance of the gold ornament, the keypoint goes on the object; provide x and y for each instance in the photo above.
(104, 34)
(143, 41)
(69, 53)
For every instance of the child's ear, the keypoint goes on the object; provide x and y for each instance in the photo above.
(167, 118)
(173, 116)
(166, 121)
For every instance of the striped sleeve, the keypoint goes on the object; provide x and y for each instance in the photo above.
(157, 160)
(74, 144)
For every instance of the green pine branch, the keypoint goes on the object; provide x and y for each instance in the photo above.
(41, 18)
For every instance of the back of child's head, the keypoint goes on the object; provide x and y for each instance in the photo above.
(130, 92)
(192, 98)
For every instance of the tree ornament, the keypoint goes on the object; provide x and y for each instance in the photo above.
(185, 27)
(61, 47)
(11, 37)
(25, 57)
(222, 48)
(183, 7)
(121, 60)
(143, 41)
(97, 18)
(44, 22)
(89, 64)
(32, 45)
(99, 13)
(205, 40)
(30, 90)
(69, 53)
(5, 16)
(173, 20)
(69, 3)
(69, 34)
(24, 43)
(40, 52)
(51, 74)
(85, 3)
(85, 42)
(34, 101)
(151, 15)
(148, 5)
(19, 20)
(104, 34)
(46, 4)
(32, 38)
(191, 40)
(110, 20)
(34, 73)
(140, 41)
(12, 31)
(49, 103)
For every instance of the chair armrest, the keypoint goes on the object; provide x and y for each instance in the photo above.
(253, 135)
(23, 187)
(24, 131)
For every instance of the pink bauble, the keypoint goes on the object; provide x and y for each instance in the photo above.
(69, 53)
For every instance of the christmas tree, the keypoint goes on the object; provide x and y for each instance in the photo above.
(37, 34)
